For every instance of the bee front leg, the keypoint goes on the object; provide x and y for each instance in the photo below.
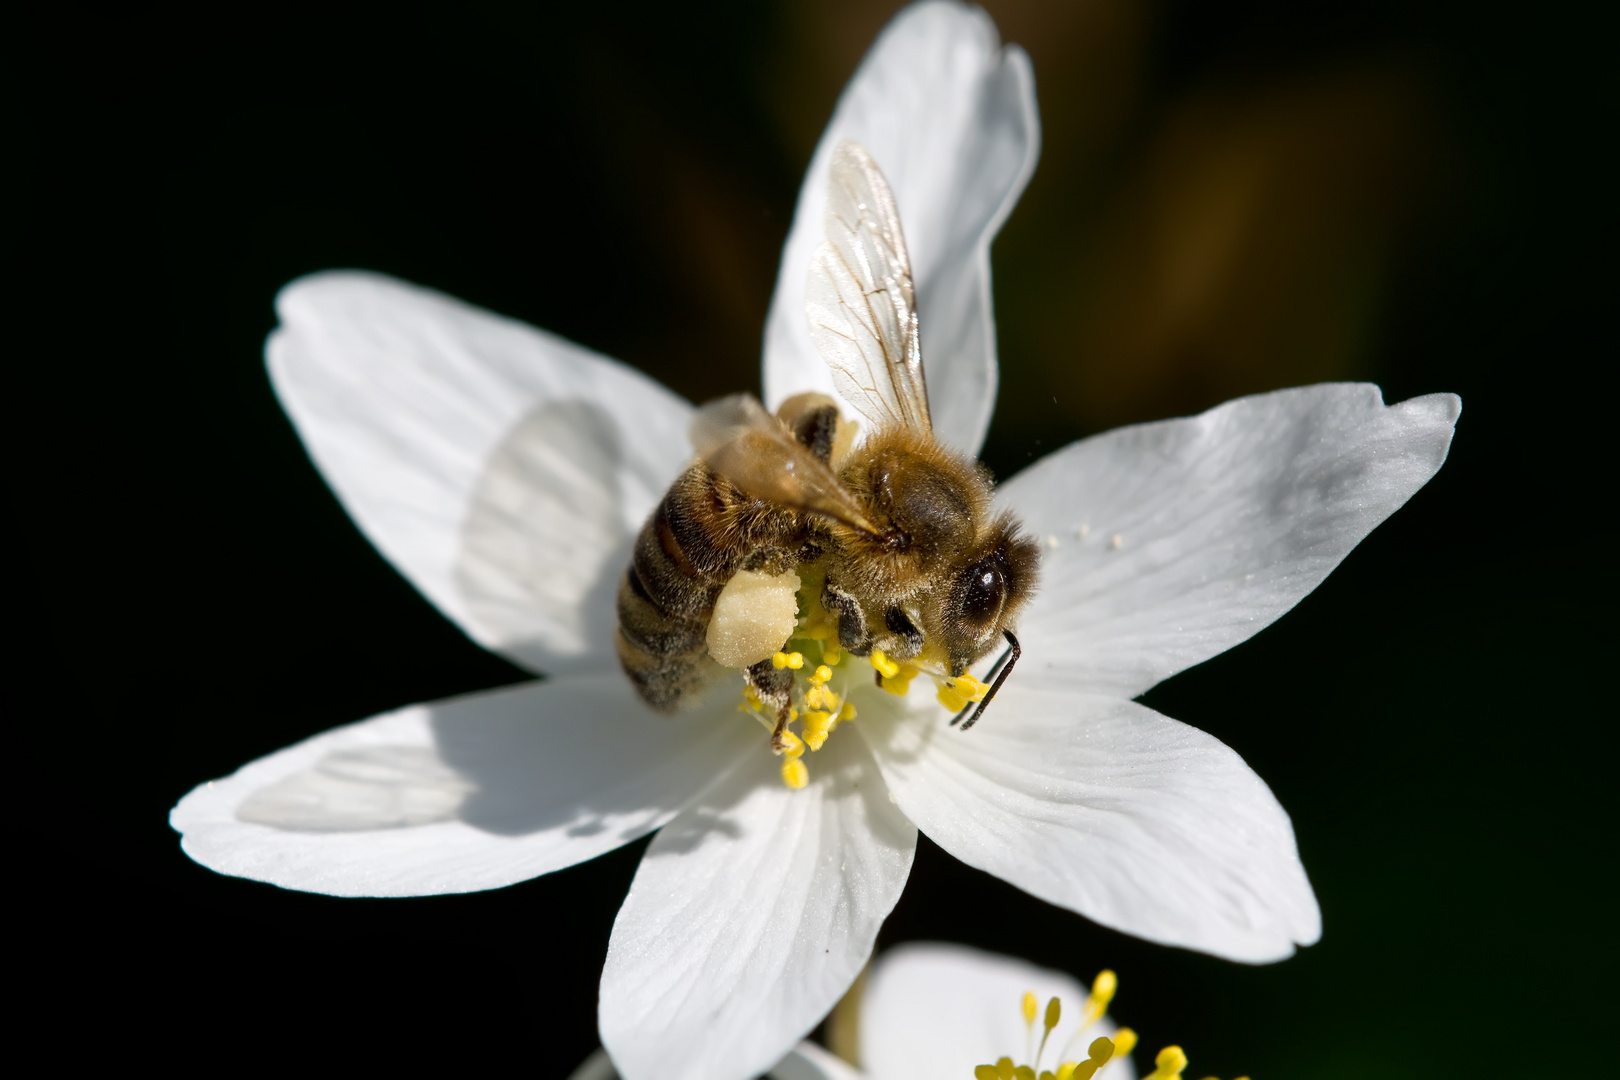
(774, 686)
(853, 636)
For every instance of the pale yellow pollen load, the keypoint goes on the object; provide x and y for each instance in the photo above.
(753, 615)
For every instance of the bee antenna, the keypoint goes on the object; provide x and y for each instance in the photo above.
(1009, 658)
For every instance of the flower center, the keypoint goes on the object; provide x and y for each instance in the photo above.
(1099, 1052)
(820, 701)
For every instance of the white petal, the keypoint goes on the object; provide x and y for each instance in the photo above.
(807, 1061)
(503, 470)
(596, 1067)
(750, 916)
(935, 1010)
(471, 793)
(949, 116)
(1200, 532)
(1106, 808)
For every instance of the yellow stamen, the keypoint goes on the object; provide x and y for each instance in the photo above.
(846, 713)
(792, 745)
(830, 654)
(794, 773)
(1124, 1042)
(822, 674)
(897, 687)
(1168, 1064)
(969, 687)
(882, 663)
(1102, 992)
(1029, 1007)
(953, 701)
(817, 726)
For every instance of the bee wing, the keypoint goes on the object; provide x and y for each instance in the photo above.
(740, 440)
(860, 300)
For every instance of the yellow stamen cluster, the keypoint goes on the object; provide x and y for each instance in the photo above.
(896, 676)
(1167, 1066)
(821, 709)
(958, 693)
(824, 709)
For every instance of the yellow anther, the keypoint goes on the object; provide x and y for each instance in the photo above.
(888, 667)
(822, 674)
(817, 726)
(897, 687)
(846, 713)
(1100, 1051)
(969, 687)
(1023, 1072)
(792, 745)
(1004, 1068)
(794, 773)
(779, 660)
(1124, 1042)
(1029, 1006)
(1084, 1070)
(830, 654)
(984, 1072)
(819, 697)
(1168, 1064)
(952, 701)
(795, 660)
(1054, 1009)
(1102, 992)
(1066, 1070)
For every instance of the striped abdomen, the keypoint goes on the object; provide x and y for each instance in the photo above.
(703, 532)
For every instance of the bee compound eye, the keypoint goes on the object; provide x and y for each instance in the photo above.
(986, 587)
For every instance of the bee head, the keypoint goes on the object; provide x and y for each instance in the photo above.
(983, 593)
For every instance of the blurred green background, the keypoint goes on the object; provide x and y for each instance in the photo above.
(1232, 197)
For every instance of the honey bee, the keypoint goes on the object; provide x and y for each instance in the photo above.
(898, 530)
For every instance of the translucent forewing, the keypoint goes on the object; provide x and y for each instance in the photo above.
(742, 442)
(860, 299)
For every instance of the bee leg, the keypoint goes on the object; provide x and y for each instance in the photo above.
(853, 637)
(910, 641)
(818, 429)
(774, 686)
(1011, 657)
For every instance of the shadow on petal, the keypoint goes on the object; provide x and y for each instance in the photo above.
(378, 787)
(547, 536)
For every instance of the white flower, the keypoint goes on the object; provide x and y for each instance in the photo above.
(505, 471)
(931, 1011)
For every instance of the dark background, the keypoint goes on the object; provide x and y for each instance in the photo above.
(1232, 197)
